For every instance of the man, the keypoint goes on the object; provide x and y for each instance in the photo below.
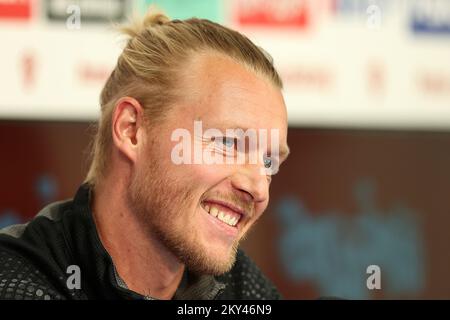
(160, 217)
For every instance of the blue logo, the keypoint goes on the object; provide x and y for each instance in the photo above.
(333, 250)
(9, 217)
(431, 17)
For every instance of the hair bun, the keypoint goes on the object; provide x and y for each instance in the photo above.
(152, 18)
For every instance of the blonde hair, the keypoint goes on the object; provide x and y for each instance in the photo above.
(151, 62)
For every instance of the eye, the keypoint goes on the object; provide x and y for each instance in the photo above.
(229, 142)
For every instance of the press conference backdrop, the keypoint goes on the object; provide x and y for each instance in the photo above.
(367, 86)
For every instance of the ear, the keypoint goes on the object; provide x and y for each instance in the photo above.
(127, 127)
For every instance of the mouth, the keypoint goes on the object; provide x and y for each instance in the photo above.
(225, 213)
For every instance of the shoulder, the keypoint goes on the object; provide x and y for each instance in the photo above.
(29, 257)
(22, 279)
(246, 281)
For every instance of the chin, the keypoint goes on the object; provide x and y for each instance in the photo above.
(213, 261)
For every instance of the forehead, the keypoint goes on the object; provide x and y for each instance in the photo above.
(225, 94)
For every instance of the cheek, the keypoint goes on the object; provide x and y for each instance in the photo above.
(209, 174)
(261, 207)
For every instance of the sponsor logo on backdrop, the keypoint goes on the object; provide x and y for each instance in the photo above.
(343, 254)
(89, 73)
(430, 17)
(9, 217)
(434, 83)
(376, 78)
(303, 14)
(28, 66)
(15, 9)
(307, 77)
(358, 7)
(370, 12)
(105, 11)
(183, 9)
(290, 13)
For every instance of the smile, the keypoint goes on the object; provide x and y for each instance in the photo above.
(222, 212)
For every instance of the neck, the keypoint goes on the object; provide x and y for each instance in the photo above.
(142, 261)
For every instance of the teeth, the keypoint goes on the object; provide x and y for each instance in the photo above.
(215, 212)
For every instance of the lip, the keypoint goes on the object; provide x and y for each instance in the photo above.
(225, 229)
(227, 205)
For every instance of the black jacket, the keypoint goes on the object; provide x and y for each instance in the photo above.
(36, 260)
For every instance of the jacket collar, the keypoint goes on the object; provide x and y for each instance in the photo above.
(100, 275)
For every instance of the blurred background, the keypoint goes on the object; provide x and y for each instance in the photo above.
(367, 86)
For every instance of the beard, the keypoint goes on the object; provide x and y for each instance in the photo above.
(158, 200)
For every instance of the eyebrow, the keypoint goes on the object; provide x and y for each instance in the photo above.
(284, 150)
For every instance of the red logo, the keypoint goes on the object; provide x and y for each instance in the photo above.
(289, 13)
(15, 9)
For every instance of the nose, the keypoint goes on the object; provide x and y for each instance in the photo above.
(251, 185)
